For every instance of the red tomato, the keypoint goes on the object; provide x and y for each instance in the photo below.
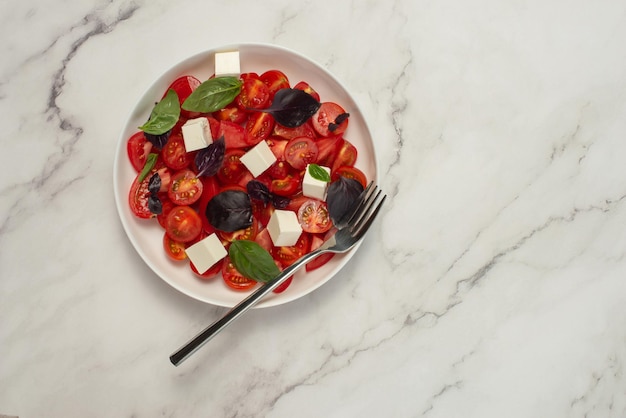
(320, 260)
(183, 224)
(232, 169)
(247, 76)
(286, 256)
(264, 240)
(328, 148)
(277, 146)
(248, 233)
(174, 249)
(304, 86)
(138, 198)
(350, 173)
(296, 202)
(259, 127)
(184, 86)
(232, 114)
(289, 133)
(175, 156)
(168, 205)
(210, 273)
(254, 95)
(346, 156)
(301, 151)
(314, 217)
(138, 148)
(279, 170)
(325, 119)
(284, 285)
(275, 80)
(287, 186)
(210, 188)
(233, 278)
(234, 134)
(185, 188)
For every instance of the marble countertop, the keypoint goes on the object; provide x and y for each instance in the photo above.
(493, 284)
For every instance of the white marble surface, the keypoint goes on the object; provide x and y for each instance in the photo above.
(493, 285)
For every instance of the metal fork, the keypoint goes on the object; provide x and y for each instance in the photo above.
(351, 228)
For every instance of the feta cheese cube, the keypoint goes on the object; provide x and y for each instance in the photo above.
(206, 252)
(312, 187)
(197, 134)
(284, 228)
(258, 159)
(227, 64)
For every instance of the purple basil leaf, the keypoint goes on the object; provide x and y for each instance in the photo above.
(209, 160)
(280, 202)
(154, 184)
(230, 211)
(158, 141)
(342, 197)
(258, 191)
(292, 107)
(154, 204)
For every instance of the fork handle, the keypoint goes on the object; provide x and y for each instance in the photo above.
(212, 330)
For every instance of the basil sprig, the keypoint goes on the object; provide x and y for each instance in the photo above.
(252, 261)
(150, 162)
(213, 94)
(319, 173)
(164, 115)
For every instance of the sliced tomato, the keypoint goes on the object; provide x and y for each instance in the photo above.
(167, 205)
(210, 187)
(277, 146)
(185, 188)
(258, 127)
(279, 170)
(248, 233)
(330, 119)
(296, 202)
(284, 285)
(138, 148)
(183, 224)
(184, 86)
(304, 86)
(274, 80)
(314, 217)
(232, 169)
(138, 198)
(350, 173)
(232, 114)
(254, 95)
(289, 133)
(175, 156)
(286, 186)
(288, 255)
(233, 278)
(210, 273)
(234, 134)
(328, 149)
(301, 151)
(248, 76)
(264, 240)
(174, 249)
(320, 260)
(346, 156)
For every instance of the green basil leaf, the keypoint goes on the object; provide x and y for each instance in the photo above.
(213, 95)
(252, 261)
(164, 115)
(319, 173)
(150, 161)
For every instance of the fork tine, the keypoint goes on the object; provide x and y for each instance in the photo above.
(365, 205)
(362, 225)
(348, 217)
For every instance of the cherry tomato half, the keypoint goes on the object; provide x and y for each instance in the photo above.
(314, 217)
(234, 134)
(254, 95)
(183, 224)
(258, 128)
(350, 173)
(305, 87)
(325, 120)
(286, 256)
(232, 169)
(274, 80)
(210, 273)
(320, 260)
(138, 148)
(175, 156)
(233, 278)
(185, 188)
(174, 249)
(301, 151)
(286, 187)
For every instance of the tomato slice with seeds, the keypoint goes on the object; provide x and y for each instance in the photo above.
(277, 146)
(301, 151)
(138, 198)
(232, 169)
(232, 114)
(305, 87)
(325, 120)
(183, 224)
(254, 95)
(175, 156)
(210, 273)
(233, 133)
(290, 133)
(175, 250)
(288, 255)
(350, 173)
(185, 188)
(248, 233)
(274, 80)
(346, 155)
(233, 278)
(314, 217)
(138, 148)
(258, 128)
(184, 86)
(286, 186)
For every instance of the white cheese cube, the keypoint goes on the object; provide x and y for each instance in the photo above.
(227, 64)
(206, 252)
(197, 134)
(258, 159)
(312, 187)
(284, 228)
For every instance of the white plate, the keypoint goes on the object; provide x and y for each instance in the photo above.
(146, 235)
